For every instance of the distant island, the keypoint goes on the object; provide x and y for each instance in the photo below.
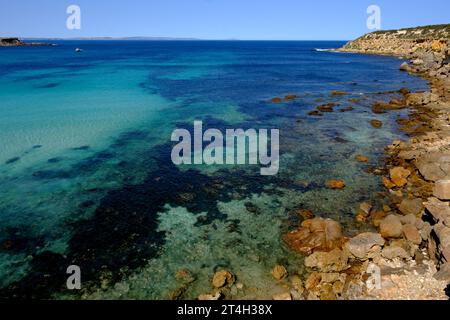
(16, 42)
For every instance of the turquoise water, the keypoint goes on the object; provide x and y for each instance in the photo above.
(86, 176)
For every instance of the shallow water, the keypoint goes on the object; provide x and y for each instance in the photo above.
(86, 176)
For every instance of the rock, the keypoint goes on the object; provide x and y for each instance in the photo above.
(336, 184)
(282, 296)
(279, 272)
(431, 171)
(276, 100)
(441, 189)
(411, 206)
(338, 93)
(209, 297)
(443, 234)
(290, 97)
(412, 234)
(304, 213)
(376, 123)
(365, 208)
(222, 278)
(327, 293)
(360, 245)
(315, 113)
(315, 235)
(388, 183)
(391, 227)
(313, 281)
(392, 252)
(361, 158)
(439, 210)
(444, 273)
(377, 217)
(409, 219)
(327, 107)
(404, 67)
(399, 175)
(333, 261)
(296, 283)
(185, 276)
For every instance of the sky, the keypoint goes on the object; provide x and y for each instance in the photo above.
(216, 19)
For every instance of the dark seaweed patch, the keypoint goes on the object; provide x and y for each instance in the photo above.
(12, 160)
(48, 85)
(82, 148)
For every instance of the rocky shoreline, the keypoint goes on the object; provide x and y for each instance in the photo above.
(408, 258)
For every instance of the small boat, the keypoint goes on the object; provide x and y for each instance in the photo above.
(78, 50)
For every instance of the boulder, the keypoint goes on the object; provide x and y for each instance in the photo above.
(279, 272)
(438, 209)
(361, 158)
(431, 171)
(409, 219)
(391, 227)
(412, 234)
(441, 189)
(360, 245)
(316, 234)
(399, 175)
(411, 206)
(376, 123)
(393, 252)
(443, 234)
(222, 278)
(336, 184)
(333, 261)
(444, 273)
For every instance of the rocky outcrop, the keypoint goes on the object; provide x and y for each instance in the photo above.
(16, 42)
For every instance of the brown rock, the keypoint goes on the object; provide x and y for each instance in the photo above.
(376, 123)
(185, 276)
(304, 213)
(315, 113)
(313, 281)
(222, 278)
(411, 206)
(277, 100)
(399, 176)
(388, 183)
(441, 189)
(392, 252)
(338, 93)
(361, 158)
(327, 107)
(360, 245)
(279, 272)
(333, 261)
(377, 217)
(412, 234)
(290, 97)
(336, 184)
(315, 235)
(391, 227)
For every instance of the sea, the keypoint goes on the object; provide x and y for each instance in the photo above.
(86, 176)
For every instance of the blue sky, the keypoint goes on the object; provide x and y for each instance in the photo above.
(216, 19)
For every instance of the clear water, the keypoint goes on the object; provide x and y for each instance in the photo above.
(86, 176)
